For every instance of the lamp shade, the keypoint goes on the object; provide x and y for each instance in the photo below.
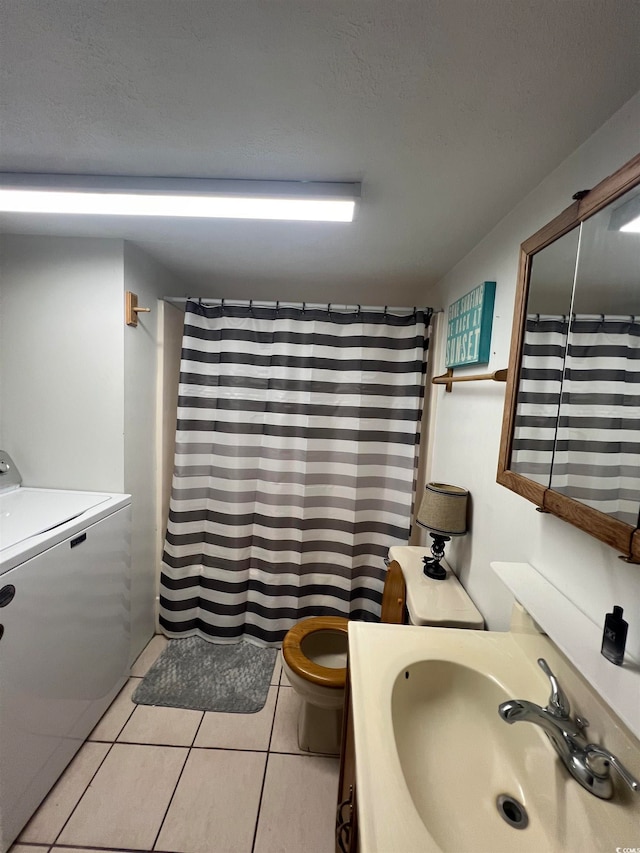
(444, 509)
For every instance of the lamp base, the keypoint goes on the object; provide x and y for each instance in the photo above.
(432, 568)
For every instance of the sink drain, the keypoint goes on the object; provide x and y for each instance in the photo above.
(513, 812)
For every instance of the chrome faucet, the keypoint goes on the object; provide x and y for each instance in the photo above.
(588, 763)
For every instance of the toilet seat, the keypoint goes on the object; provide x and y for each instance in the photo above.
(323, 676)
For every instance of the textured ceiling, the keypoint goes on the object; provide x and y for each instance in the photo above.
(448, 111)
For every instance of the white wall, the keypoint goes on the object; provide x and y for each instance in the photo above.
(145, 277)
(62, 361)
(505, 526)
(170, 341)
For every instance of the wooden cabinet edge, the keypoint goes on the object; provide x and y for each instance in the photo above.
(634, 555)
(347, 778)
(393, 611)
(532, 491)
(610, 188)
(613, 532)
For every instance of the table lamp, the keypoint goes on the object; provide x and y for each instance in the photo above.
(443, 512)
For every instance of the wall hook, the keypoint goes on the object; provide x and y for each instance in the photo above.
(131, 309)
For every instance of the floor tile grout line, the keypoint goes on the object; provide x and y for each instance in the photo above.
(198, 727)
(122, 727)
(81, 797)
(273, 720)
(132, 667)
(132, 712)
(173, 793)
(266, 765)
(175, 787)
(303, 753)
(98, 849)
(257, 822)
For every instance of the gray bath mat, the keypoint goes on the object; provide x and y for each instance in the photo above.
(202, 676)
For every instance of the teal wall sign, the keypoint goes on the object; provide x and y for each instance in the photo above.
(469, 326)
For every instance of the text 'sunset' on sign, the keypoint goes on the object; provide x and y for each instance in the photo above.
(469, 326)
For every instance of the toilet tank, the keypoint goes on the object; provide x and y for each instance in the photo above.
(441, 604)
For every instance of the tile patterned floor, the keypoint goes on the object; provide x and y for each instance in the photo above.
(164, 779)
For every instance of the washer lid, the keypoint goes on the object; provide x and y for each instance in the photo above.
(26, 512)
(441, 604)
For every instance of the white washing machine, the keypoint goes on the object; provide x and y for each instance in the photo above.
(65, 578)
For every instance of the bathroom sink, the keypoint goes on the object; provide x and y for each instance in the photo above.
(455, 755)
(438, 769)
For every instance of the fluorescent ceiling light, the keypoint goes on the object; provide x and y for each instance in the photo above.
(175, 197)
(208, 207)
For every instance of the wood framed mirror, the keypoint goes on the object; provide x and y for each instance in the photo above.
(571, 426)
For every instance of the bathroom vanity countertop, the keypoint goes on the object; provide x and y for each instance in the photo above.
(578, 638)
(504, 664)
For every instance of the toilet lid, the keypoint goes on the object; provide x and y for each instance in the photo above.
(324, 676)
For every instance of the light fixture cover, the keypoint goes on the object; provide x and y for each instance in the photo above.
(444, 509)
(178, 197)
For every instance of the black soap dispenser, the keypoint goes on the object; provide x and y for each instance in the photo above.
(614, 636)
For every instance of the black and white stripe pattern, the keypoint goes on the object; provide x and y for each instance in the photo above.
(538, 404)
(594, 455)
(296, 449)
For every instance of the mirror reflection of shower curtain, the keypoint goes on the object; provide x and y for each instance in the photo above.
(536, 421)
(296, 447)
(597, 454)
(578, 418)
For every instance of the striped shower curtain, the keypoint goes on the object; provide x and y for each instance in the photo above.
(585, 374)
(296, 445)
(538, 404)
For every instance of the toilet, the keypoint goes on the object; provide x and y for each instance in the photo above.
(314, 652)
(314, 659)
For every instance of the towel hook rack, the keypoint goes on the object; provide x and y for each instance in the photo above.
(448, 378)
(131, 308)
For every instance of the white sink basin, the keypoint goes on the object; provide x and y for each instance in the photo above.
(457, 757)
(433, 755)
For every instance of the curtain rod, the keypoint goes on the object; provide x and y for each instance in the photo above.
(263, 303)
(601, 318)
